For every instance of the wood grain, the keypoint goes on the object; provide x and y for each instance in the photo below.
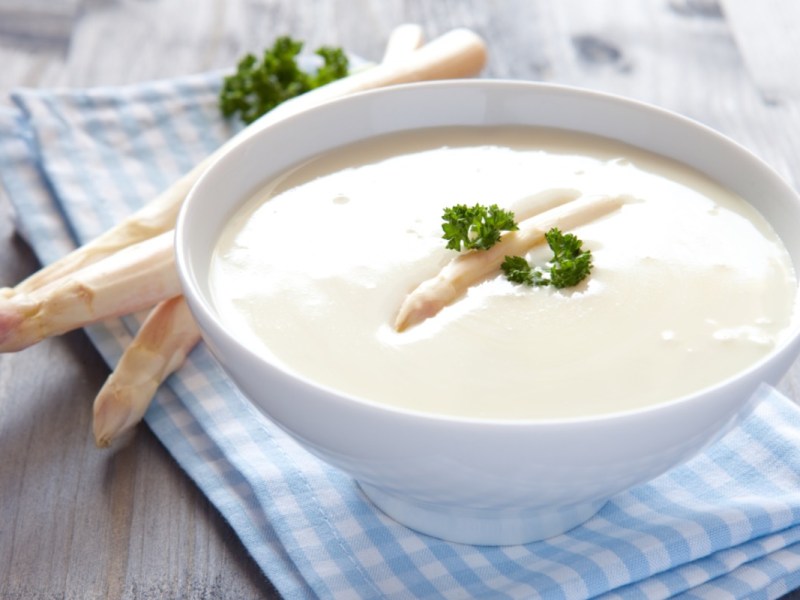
(770, 59)
(76, 522)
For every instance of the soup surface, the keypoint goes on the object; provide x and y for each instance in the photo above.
(689, 285)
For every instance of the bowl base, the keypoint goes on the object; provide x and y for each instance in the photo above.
(482, 527)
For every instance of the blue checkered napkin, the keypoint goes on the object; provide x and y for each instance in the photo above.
(723, 526)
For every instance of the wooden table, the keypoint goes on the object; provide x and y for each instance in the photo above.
(77, 522)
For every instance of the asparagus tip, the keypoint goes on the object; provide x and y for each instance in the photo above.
(113, 416)
(423, 303)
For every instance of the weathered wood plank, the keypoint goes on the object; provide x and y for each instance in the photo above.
(768, 35)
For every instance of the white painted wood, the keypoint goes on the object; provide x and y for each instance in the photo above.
(768, 36)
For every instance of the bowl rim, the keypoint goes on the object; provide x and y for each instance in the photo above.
(790, 342)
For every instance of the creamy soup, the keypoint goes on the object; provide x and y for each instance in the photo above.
(690, 285)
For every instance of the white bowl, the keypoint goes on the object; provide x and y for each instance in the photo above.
(469, 480)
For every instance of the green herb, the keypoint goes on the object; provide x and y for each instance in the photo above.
(518, 270)
(569, 266)
(477, 227)
(258, 87)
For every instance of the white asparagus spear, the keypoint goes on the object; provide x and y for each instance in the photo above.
(530, 206)
(135, 278)
(402, 40)
(452, 281)
(459, 53)
(154, 218)
(159, 348)
(169, 332)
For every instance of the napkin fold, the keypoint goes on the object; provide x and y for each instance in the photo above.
(724, 525)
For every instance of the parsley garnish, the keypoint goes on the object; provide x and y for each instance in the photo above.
(258, 87)
(518, 270)
(476, 227)
(569, 266)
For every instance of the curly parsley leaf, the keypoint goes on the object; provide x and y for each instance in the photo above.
(335, 65)
(259, 86)
(569, 266)
(518, 270)
(475, 227)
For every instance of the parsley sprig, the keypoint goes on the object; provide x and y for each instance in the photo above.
(259, 86)
(569, 266)
(475, 227)
(480, 227)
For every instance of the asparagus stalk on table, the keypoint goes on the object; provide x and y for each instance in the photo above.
(133, 279)
(169, 333)
(403, 40)
(159, 348)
